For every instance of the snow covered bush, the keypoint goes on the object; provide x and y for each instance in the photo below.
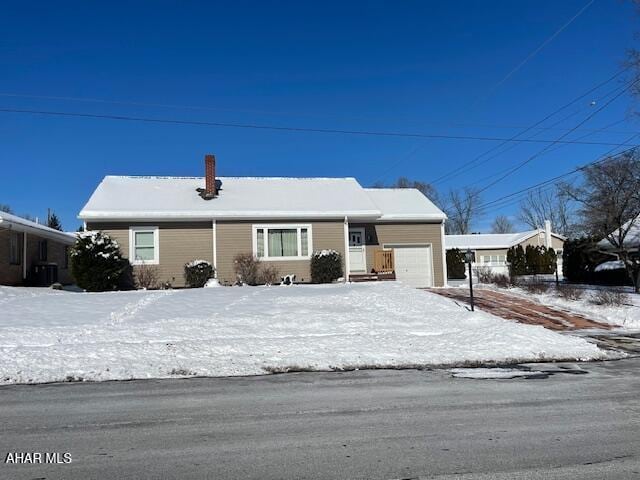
(98, 265)
(609, 298)
(501, 280)
(484, 274)
(570, 292)
(146, 276)
(197, 272)
(535, 286)
(326, 266)
(247, 268)
(269, 275)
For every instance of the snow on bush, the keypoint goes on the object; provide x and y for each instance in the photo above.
(326, 266)
(197, 272)
(98, 265)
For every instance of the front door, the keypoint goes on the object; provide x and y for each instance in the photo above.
(357, 257)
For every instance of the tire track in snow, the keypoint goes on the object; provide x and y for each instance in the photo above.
(131, 309)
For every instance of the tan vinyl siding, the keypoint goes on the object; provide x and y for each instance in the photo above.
(237, 237)
(538, 240)
(179, 243)
(417, 233)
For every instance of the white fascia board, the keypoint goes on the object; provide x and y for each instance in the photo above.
(244, 215)
(413, 218)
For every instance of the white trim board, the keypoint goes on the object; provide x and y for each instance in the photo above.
(156, 244)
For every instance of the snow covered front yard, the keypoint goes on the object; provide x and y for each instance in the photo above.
(48, 335)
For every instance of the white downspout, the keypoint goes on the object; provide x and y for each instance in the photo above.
(444, 255)
(346, 250)
(24, 255)
(214, 234)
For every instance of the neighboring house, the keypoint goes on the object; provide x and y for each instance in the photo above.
(169, 221)
(631, 240)
(491, 248)
(33, 254)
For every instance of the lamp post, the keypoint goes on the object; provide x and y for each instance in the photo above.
(468, 257)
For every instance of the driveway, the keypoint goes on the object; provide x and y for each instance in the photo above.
(374, 425)
(514, 307)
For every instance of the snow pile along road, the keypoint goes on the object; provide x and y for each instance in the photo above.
(47, 335)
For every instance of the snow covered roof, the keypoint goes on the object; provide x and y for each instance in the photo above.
(404, 204)
(491, 240)
(631, 240)
(166, 198)
(19, 224)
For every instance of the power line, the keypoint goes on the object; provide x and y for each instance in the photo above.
(534, 125)
(291, 129)
(601, 159)
(536, 155)
(263, 112)
(541, 46)
(557, 147)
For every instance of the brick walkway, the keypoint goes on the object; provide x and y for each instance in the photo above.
(513, 307)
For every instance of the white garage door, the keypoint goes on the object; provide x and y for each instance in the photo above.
(413, 264)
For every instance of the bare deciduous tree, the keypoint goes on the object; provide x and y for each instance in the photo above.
(609, 199)
(146, 276)
(553, 205)
(425, 188)
(633, 60)
(5, 208)
(502, 224)
(462, 208)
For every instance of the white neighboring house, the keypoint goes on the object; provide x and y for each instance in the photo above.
(490, 249)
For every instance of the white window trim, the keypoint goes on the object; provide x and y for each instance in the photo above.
(297, 226)
(156, 245)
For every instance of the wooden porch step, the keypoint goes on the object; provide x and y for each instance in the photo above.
(372, 277)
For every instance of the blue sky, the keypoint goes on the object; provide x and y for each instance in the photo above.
(413, 67)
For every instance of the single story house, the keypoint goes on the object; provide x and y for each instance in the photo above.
(169, 221)
(33, 254)
(490, 249)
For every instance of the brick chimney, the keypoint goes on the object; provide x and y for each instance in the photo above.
(210, 190)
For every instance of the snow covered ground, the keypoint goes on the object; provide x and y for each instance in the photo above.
(626, 317)
(48, 335)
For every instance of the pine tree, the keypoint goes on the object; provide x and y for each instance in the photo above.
(455, 264)
(98, 265)
(54, 222)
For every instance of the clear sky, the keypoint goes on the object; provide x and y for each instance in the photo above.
(409, 67)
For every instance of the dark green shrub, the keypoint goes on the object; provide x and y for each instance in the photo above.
(533, 260)
(98, 265)
(326, 266)
(517, 261)
(455, 264)
(197, 272)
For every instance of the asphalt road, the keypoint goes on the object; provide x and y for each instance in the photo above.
(357, 425)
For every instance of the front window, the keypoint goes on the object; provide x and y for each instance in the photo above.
(278, 242)
(14, 249)
(42, 250)
(144, 245)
